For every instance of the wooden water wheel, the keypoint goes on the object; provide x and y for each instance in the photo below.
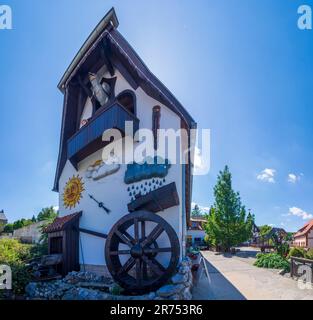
(142, 251)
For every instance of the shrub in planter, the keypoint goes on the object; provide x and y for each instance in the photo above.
(309, 254)
(272, 261)
(296, 252)
(283, 249)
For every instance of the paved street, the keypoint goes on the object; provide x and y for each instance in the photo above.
(235, 278)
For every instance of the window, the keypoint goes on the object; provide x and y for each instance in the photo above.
(194, 224)
(87, 113)
(156, 115)
(128, 100)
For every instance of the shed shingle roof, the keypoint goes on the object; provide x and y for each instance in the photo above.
(61, 223)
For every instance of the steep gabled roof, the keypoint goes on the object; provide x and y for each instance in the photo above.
(145, 78)
(120, 49)
(305, 229)
(256, 228)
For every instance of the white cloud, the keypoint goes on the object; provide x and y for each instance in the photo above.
(201, 163)
(293, 178)
(56, 208)
(294, 211)
(267, 175)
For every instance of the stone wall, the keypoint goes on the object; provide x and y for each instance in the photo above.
(29, 234)
(90, 286)
(100, 270)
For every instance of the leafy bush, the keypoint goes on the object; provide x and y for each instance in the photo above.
(282, 249)
(309, 254)
(12, 250)
(39, 250)
(272, 261)
(20, 277)
(296, 252)
(15, 254)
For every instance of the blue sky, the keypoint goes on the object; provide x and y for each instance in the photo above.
(242, 69)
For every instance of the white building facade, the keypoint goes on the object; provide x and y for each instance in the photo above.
(106, 85)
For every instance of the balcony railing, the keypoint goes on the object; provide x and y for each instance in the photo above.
(89, 138)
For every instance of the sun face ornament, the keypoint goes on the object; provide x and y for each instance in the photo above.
(73, 192)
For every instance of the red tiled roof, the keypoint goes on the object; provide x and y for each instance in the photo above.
(60, 223)
(305, 229)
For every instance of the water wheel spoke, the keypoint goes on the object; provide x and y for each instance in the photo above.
(136, 230)
(155, 233)
(127, 266)
(139, 272)
(130, 238)
(143, 229)
(144, 270)
(160, 266)
(124, 239)
(158, 250)
(155, 266)
(116, 253)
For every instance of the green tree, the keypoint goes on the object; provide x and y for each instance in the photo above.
(264, 230)
(8, 228)
(21, 223)
(47, 214)
(34, 219)
(196, 211)
(227, 224)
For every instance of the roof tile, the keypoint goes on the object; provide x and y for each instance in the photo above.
(60, 223)
(305, 229)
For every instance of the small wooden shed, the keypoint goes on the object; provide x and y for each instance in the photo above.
(63, 238)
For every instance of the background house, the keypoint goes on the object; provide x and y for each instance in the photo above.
(255, 234)
(196, 231)
(304, 236)
(268, 240)
(3, 220)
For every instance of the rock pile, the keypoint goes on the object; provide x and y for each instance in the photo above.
(89, 286)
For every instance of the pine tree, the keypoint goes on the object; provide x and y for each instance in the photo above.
(227, 224)
(196, 211)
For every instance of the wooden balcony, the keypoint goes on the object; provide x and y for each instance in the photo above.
(89, 138)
